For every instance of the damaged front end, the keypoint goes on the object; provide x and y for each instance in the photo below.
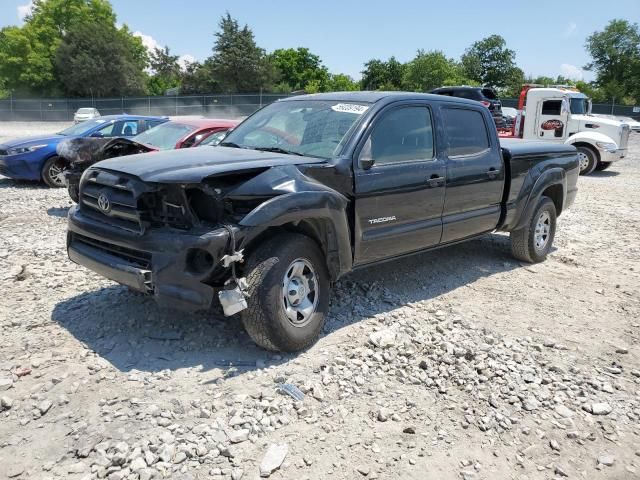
(82, 153)
(183, 243)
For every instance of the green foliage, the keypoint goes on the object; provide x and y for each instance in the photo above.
(429, 70)
(198, 78)
(380, 75)
(489, 62)
(342, 83)
(97, 59)
(298, 67)
(237, 63)
(166, 72)
(615, 58)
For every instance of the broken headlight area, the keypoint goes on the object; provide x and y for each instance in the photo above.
(167, 207)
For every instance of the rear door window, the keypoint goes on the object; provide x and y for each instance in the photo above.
(466, 131)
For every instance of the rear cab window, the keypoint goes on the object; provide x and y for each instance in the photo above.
(466, 131)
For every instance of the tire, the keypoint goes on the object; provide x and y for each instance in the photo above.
(74, 192)
(588, 160)
(52, 172)
(531, 244)
(294, 257)
(603, 166)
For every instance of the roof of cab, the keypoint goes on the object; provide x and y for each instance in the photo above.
(375, 96)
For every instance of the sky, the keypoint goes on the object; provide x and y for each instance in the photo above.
(547, 36)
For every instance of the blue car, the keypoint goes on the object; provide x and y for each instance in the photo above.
(36, 158)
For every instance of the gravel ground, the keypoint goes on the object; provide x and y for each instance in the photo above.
(462, 363)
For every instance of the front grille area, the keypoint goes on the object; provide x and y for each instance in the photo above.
(130, 204)
(625, 136)
(112, 199)
(4, 170)
(134, 257)
(3, 152)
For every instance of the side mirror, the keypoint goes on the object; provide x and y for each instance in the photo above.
(365, 160)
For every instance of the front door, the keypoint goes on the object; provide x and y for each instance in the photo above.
(475, 173)
(551, 121)
(399, 186)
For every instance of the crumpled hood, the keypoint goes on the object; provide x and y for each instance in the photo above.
(192, 165)
(29, 141)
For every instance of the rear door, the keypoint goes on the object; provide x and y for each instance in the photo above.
(399, 197)
(475, 173)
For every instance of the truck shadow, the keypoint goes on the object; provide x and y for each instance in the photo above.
(11, 183)
(132, 333)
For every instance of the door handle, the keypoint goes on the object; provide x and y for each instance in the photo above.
(492, 172)
(435, 181)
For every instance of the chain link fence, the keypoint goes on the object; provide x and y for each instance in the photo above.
(62, 109)
(211, 106)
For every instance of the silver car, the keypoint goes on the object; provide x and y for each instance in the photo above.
(85, 114)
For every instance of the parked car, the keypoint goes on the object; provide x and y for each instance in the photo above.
(84, 114)
(563, 115)
(36, 158)
(633, 123)
(306, 190)
(81, 153)
(509, 114)
(484, 95)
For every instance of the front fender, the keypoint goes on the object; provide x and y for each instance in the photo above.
(591, 138)
(330, 208)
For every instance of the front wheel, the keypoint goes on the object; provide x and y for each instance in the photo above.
(53, 171)
(588, 160)
(289, 289)
(533, 242)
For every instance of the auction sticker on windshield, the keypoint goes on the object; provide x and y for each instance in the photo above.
(349, 108)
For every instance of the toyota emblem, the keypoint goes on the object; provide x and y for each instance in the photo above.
(103, 203)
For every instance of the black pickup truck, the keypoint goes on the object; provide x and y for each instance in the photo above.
(306, 190)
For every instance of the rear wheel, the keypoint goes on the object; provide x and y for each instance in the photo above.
(534, 242)
(588, 160)
(603, 165)
(288, 287)
(53, 172)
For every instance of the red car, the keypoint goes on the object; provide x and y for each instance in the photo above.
(184, 133)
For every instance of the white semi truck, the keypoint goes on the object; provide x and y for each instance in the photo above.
(563, 114)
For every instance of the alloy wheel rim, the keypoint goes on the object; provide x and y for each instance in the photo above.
(584, 161)
(300, 292)
(56, 173)
(542, 231)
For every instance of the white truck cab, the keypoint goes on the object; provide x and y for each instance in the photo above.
(563, 114)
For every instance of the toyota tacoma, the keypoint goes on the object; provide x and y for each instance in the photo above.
(308, 189)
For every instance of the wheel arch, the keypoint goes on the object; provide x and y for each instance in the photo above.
(551, 183)
(319, 215)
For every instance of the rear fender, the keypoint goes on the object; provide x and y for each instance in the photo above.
(529, 197)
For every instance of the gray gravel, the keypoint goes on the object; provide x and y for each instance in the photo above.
(462, 363)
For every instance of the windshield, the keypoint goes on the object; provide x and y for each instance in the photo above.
(580, 105)
(82, 128)
(213, 139)
(165, 136)
(317, 128)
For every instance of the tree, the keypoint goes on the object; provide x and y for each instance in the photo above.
(297, 67)
(381, 75)
(96, 59)
(615, 58)
(429, 70)
(166, 71)
(237, 63)
(489, 62)
(198, 78)
(342, 83)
